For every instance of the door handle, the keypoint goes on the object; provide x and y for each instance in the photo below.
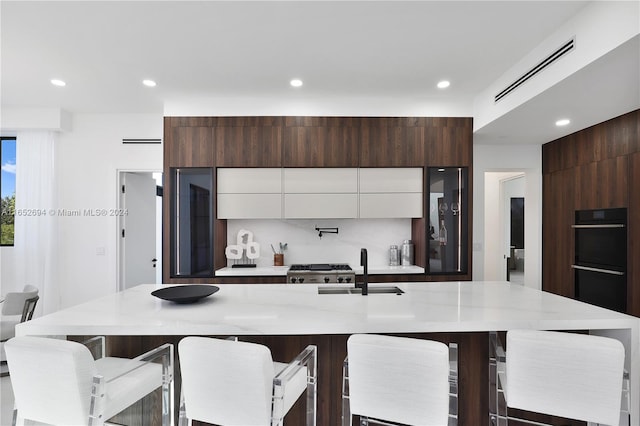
(604, 271)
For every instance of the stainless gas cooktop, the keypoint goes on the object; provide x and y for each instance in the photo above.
(312, 273)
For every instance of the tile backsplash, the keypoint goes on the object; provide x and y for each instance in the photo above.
(304, 245)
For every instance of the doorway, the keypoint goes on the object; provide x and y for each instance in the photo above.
(139, 228)
(504, 248)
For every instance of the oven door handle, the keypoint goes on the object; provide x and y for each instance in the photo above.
(604, 271)
(601, 226)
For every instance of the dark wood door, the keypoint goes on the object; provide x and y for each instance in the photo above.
(558, 211)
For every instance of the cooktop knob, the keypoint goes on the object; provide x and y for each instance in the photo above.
(348, 279)
(326, 279)
(340, 279)
(301, 280)
(293, 280)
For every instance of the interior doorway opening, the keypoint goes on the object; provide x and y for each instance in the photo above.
(504, 226)
(139, 230)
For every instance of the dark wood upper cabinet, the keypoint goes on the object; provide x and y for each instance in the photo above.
(601, 184)
(316, 146)
(450, 144)
(617, 137)
(248, 146)
(391, 146)
(188, 147)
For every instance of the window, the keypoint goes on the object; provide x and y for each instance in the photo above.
(7, 189)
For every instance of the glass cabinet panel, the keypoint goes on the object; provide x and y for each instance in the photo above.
(192, 222)
(447, 232)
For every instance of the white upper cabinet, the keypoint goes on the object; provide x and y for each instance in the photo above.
(246, 193)
(320, 206)
(391, 192)
(249, 181)
(316, 193)
(321, 181)
(389, 180)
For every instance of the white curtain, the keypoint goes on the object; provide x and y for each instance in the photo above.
(35, 240)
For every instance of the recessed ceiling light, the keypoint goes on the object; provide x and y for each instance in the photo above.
(296, 82)
(149, 83)
(563, 122)
(57, 82)
(443, 84)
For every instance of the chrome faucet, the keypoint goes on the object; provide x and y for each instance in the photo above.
(364, 262)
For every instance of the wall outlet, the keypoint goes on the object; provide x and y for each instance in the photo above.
(100, 251)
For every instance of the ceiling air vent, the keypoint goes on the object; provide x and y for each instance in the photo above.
(142, 141)
(560, 52)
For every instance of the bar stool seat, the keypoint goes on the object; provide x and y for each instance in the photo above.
(58, 382)
(227, 382)
(569, 375)
(397, 379)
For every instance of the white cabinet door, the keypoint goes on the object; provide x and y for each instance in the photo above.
(246, 193)
(316, 193)
(391, 192)
(249, 181)
(385, 180)
(399, 205)
(319, 206)
(321, 181)
(249, 206)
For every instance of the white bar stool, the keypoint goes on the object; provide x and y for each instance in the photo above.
(59, 382)
(569, 375)
(227, 382)
(400, 380)
(17, 307)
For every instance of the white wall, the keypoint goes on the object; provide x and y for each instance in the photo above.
(88, 160)
(598, 28)
(509, 158)
(304, 245)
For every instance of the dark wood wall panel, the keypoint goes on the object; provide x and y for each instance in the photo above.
(594, 168)
(189, 147)
(248, 146)
(601, 184)
(613, 138)
(558, 253)
(320, 146)
(391, 146)
(633, 259)
(442, 151)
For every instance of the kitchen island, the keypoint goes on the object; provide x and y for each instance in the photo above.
(288, 317)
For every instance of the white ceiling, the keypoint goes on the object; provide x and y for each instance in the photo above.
(350, 55)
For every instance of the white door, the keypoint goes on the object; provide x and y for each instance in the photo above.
(138, 231)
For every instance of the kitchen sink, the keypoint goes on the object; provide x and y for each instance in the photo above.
(352, 290)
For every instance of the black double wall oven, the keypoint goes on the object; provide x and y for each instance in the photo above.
(601, 257)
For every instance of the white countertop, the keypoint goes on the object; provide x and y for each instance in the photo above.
(282, 309)
(274, 271)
